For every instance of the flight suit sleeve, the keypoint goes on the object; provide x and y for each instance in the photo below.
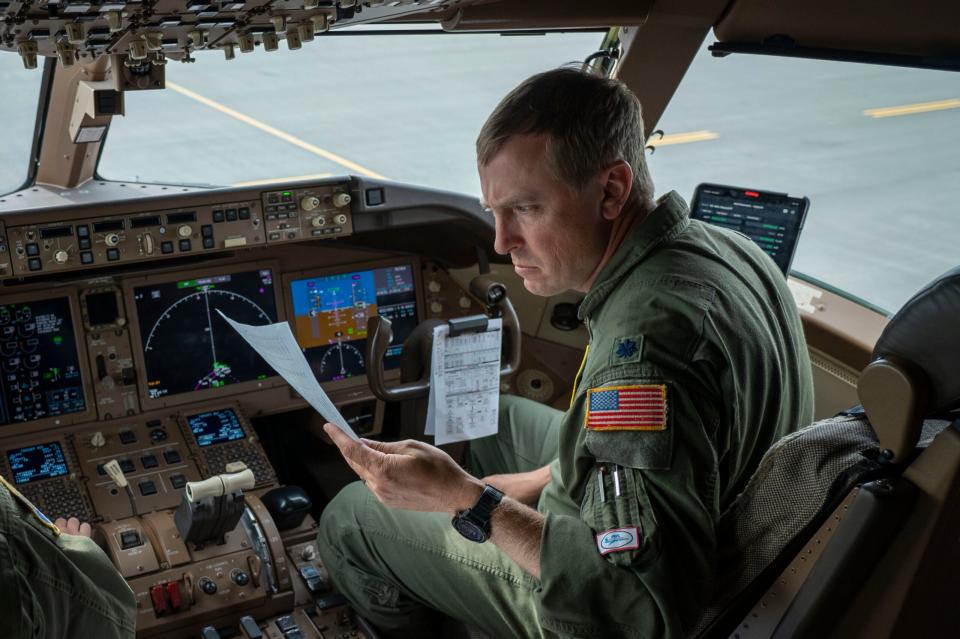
(638, 561)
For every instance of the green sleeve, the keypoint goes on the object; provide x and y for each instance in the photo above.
(667, 485)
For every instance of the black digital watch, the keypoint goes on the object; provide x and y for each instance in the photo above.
(474, 523)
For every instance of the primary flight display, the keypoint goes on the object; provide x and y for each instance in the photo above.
(330, 314)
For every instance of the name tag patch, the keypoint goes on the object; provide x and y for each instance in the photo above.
(617, 539)
(640, 407)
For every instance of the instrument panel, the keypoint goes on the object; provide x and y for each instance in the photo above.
(112, 348)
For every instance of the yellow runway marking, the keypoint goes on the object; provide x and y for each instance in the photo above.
(266, 128)
(292, 178)
(910, 109)
(683, 138)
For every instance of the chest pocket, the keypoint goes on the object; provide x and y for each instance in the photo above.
(615, 505)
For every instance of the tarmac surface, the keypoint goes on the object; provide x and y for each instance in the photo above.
(874, 148)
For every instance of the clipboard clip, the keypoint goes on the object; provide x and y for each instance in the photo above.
(493, 296)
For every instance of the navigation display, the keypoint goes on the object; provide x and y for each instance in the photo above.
(39, 361)
(215, 427)
(330, 315)
(772, 220)
(33, 463)
(187, 346)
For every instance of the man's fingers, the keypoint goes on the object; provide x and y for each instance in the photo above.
(85, 529)
(362, 458)
(60, 523)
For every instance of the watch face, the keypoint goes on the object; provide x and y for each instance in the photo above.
(470, 530)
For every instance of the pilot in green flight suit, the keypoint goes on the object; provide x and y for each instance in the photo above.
(696, 364)
(53, 584)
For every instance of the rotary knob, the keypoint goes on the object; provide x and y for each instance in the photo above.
(97, 440)
(309, 553)
(61, 257)
(111, 239)
(207, 585)
(341, 219)
(340, 200)
(309, 202)
(239, 577)
(184, 230)
(433, 286)
(436, 308)
(464, 302)
(318, 221)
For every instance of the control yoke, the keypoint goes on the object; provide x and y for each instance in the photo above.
(379, 334)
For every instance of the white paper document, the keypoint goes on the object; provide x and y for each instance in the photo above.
(464, 384)
(276, 344)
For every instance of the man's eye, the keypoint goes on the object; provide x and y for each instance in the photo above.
(524, 208)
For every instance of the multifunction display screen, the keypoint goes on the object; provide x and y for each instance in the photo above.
(187, 345)
(215, 427)
(39, 361)
(772, 220)
(330, 314)
(33, 463)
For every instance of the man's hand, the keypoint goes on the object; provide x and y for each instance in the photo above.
(73, 526)
(524, 487)
(409, 475)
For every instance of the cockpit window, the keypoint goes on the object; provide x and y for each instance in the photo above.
(874, 148)
(402, 107)
(18, 112)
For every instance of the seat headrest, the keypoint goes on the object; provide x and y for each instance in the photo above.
(926, 333)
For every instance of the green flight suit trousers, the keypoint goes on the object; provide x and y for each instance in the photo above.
(398, 568)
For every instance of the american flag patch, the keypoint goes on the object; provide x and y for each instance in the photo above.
(642, 407)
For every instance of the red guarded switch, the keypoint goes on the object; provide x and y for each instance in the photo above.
(173, 594)
(159, 600)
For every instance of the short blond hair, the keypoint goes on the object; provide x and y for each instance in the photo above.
(590, 122)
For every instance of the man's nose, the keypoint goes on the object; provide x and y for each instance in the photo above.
(506, 238)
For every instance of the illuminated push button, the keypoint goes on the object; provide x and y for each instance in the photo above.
(34, 264)
(113, 254)
(178, 481)
(149, 461)
(171, 456)
(244, 213)
(127, 466)
(218, 216)
(185, 245)
(86, 257)
(147, 488)
(231, 215)
(33, 249)
(166, 247)
(127, 437)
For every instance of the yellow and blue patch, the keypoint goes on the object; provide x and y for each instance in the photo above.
(43, 519)
(637, 407)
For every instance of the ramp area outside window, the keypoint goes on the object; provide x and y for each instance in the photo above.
(404, 107)
(874, 148)
(18, 112)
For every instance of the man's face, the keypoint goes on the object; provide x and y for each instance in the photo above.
(554, 234)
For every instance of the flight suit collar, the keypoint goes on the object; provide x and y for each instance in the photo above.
(667, 220)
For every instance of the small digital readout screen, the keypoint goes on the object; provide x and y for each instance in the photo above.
(33, 463)
(215, 427)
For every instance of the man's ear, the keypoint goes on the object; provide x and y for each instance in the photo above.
(617, 183)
